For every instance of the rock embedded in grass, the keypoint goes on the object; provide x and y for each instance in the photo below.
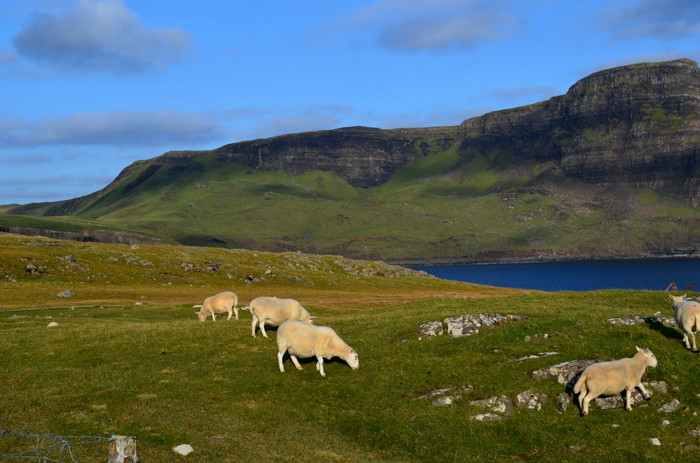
(467, 324)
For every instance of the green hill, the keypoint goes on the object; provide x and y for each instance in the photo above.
(609, 170)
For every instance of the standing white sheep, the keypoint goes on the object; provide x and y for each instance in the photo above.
(304, 340)
(217, 304)
(607, 378)
(274, 312)
(686, 312)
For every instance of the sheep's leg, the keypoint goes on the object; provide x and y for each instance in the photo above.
(213, 317)
(235, 309)
(279, 360)
(645, 393)
(685, 339)
(295, 361)
(230, 314)
(628, 399)
(319, 366)
(692, 336)
(584, 404)
(262, 328)
(255, 320)
(581, 395)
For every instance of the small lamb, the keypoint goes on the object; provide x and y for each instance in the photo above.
(217, 304)
(305, 340)
(686, 312)
(607, 378)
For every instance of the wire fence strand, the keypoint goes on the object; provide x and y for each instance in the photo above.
(47, 448)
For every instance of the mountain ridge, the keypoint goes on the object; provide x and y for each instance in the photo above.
(620, 148)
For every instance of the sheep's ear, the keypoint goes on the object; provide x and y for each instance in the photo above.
(638, 349)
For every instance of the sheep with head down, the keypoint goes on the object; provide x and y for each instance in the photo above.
(607, 378)
(304, 340)
(225, 302)
(686, 312)
(273, 311)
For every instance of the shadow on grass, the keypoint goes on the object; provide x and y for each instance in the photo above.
(666, 331)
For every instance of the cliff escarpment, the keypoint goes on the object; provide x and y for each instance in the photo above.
(634, 125)
(363, 156)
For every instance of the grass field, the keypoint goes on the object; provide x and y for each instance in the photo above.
(137, 362)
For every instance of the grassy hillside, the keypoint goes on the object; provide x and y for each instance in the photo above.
(437, 208)
(137, 362)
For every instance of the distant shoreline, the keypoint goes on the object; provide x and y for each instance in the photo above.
(533, 260)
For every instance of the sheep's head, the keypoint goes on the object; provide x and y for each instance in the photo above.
(649, 357)
(201, 315)
(676, 300)
(353, 360)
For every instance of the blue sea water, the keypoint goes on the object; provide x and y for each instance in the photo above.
(649, 274)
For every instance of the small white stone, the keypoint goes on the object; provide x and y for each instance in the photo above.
(443, 401)
(655, 441)
(665, 423)
(52, 325)
(184, 449)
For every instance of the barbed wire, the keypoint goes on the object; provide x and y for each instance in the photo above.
(48, 447)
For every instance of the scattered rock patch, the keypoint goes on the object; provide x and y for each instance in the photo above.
(564, 373)
(531, 400)
(466, 325)
(658, 317)
(501, 404)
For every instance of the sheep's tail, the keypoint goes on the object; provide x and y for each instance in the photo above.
(581, 387)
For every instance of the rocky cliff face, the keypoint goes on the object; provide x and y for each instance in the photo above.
(364, 156)
(635, 125)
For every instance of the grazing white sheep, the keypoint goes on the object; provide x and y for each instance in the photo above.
(304, 340)
(219, 303)
(274, 312)
(607, 378)
(686, 312)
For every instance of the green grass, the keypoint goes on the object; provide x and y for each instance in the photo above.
(153, 371)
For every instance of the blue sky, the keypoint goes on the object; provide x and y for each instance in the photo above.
(89, 86)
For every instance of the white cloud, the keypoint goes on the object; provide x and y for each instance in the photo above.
(662, 19)
(121, 128)
(98, 36)
(434, 25)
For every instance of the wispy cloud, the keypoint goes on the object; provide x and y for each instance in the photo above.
(121, 128)
(98, 36)
(534, 93)
(415, 25)
(303, 119)
(661, 19)
(56, 187)
(32, 158)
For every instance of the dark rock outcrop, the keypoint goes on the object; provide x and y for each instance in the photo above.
(363, 156)
(633, 125)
